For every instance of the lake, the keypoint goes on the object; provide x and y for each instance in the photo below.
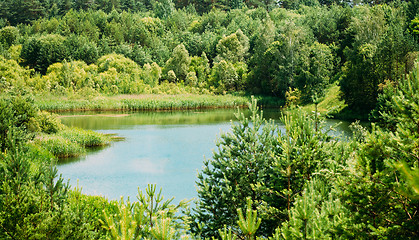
(164, 148)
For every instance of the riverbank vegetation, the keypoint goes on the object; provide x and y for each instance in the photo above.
(260, 183)
(146, 102)
(266, 48)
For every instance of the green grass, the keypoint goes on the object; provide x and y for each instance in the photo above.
(60, 146)
(71, 142)
(330, 104)
(85, 138)
(140, 102)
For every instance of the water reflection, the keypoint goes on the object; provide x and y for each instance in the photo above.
(166, 148)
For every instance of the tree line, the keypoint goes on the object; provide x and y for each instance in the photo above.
(255, 47)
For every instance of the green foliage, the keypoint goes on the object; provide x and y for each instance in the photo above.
(59, 146)
(414, 26)
(86, 138)
(85, 214)
(9, 36)
(412, 180)
(33, 203)
(80, 48)
(254, 161)
(317, 214)
(232, 174)
(283, 62)
(150, 216)
(120, 63)
(228, 77)
(330, 105)
(16, 120)
(40, 52)
(200, 66)
(359, 71)
(233, 48)
(48, 123)
(13, 77)
(125, 226)
(398, 149)
(71, 142)
(226, 235)
(303, 183)
(160, 101)
(178, 63)
(381, 51)
(163, 9)
(371, 189)
(151, 74)
(248, 224)
(403, 111)
(271, 48)
(316, 72)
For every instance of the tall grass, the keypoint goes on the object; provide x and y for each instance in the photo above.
(60, 146)
(141, 102)
(71, 142)
(85, 138)
(331, 104)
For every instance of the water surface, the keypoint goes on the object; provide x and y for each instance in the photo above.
(165, 148)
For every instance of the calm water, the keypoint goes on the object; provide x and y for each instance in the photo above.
(165, 148)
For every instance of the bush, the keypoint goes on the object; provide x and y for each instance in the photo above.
(80, 48)
(13, 77)
(16, 120)
(48, 123)
(40, 52)
(34, 201)
(9, 36)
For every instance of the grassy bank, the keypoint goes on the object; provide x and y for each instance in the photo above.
(139, 102)
(333, 107)
(71, 142)
(330, 105)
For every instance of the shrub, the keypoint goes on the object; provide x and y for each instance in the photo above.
(34, 201)
(40, 52)
(16, 120)
(8, 36)
(48, 123)
(12, 76)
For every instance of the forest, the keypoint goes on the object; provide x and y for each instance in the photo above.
(260, 182)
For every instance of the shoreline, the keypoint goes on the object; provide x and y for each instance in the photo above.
(141, 103)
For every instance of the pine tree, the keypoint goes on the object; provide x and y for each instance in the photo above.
(257, 161)
(147, 217)
(230, 177)
(33, 200)
(317, 214)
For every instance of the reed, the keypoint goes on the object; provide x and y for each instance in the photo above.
(141, 102)
(60, 146)
(71, 142)
(85, 138)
